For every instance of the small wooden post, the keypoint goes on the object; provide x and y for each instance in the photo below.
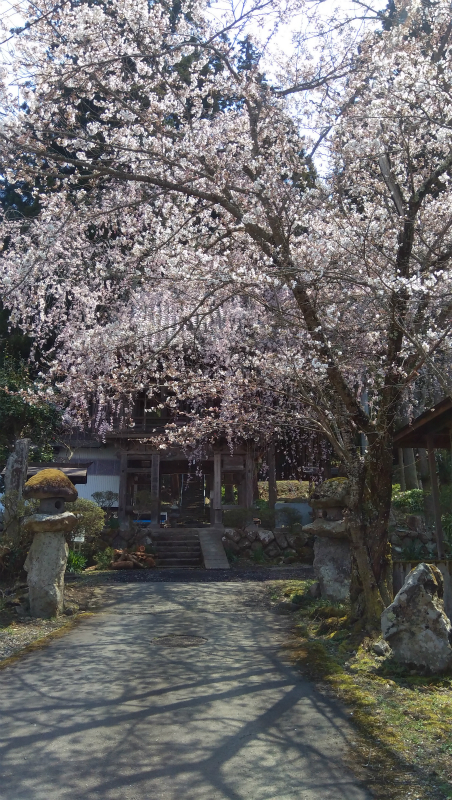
(272, 489)
(217, 515)
(155, 489)
(435, 496)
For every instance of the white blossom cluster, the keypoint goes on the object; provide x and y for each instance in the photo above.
(185, 237)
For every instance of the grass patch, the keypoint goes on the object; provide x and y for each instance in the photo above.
(296, 491)
(402, 722)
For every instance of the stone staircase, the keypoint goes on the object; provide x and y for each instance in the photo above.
(177, 549)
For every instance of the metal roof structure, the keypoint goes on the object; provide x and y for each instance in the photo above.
(435, 424)
(77, 473)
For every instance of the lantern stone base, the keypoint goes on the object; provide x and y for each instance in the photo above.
(332, 568)
(46, 565)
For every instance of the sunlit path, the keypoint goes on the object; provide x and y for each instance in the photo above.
(109, 712)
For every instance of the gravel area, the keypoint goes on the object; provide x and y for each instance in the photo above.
(19, 635)
(202, 575)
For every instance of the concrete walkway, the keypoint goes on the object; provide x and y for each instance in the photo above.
(109, 712)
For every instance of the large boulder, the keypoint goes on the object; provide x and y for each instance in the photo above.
(46, 564)
(265, 537)
(332, 568)
(416, 625)
(281, 540)
(233, 534)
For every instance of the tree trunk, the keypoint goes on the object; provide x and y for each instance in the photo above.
(409, 467)
(15, 477)
(367, 522)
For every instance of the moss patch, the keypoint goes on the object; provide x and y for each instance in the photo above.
(401, 722)
(295, 491)
(50, 479)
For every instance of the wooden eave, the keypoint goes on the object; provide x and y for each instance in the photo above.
(435, 424)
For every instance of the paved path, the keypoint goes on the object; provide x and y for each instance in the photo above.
(108, 713)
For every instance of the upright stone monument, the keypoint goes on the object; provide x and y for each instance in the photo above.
(332, 555)
(416, 625)
(47, 557)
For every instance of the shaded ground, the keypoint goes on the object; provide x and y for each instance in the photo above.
(118, 709)
(402, 720)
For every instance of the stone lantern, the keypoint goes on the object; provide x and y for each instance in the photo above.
(332, 555)
(47, 557)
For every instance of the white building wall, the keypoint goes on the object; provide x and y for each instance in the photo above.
(98, 483)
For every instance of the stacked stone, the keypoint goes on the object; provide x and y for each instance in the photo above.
(332, 555)
(47, 557)
(413, 532)
(275, 544)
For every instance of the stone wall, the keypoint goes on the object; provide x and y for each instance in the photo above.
(273, 544)
(409, 534)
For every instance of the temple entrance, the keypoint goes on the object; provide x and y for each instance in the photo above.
(183, 500)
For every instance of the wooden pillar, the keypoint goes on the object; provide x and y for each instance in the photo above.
(217, 514)
(410, 471)
(249, 475)
(435, 496)
(122, 488)
(272, 489)
(155, 489)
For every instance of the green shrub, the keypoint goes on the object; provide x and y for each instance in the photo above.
(445, 498)
(411, 552)
(238, 517)
(258, 555)
(230, 555)
(76, 562)
(291, 517)
(106, 499)
(411, 502)
(104, 558)
(90, 524)
(267, 517)
(446, 520)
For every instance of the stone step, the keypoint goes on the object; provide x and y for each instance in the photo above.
(179, 562)
(176, 545)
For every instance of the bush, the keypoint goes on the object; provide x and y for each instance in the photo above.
(90, 524)
(106, 499)
(104, 558)
(291, 517)
(258, 555)
(411, 502)
(238, 517)
(76, 562)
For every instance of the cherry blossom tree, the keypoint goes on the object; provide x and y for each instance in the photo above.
(272, 230)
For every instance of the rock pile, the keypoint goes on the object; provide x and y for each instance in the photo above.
(415, 624)
(411, 533)
(274, 544)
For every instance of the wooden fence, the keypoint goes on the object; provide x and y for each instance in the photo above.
(402, 568)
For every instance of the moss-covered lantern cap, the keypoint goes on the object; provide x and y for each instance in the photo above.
(50, 483)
